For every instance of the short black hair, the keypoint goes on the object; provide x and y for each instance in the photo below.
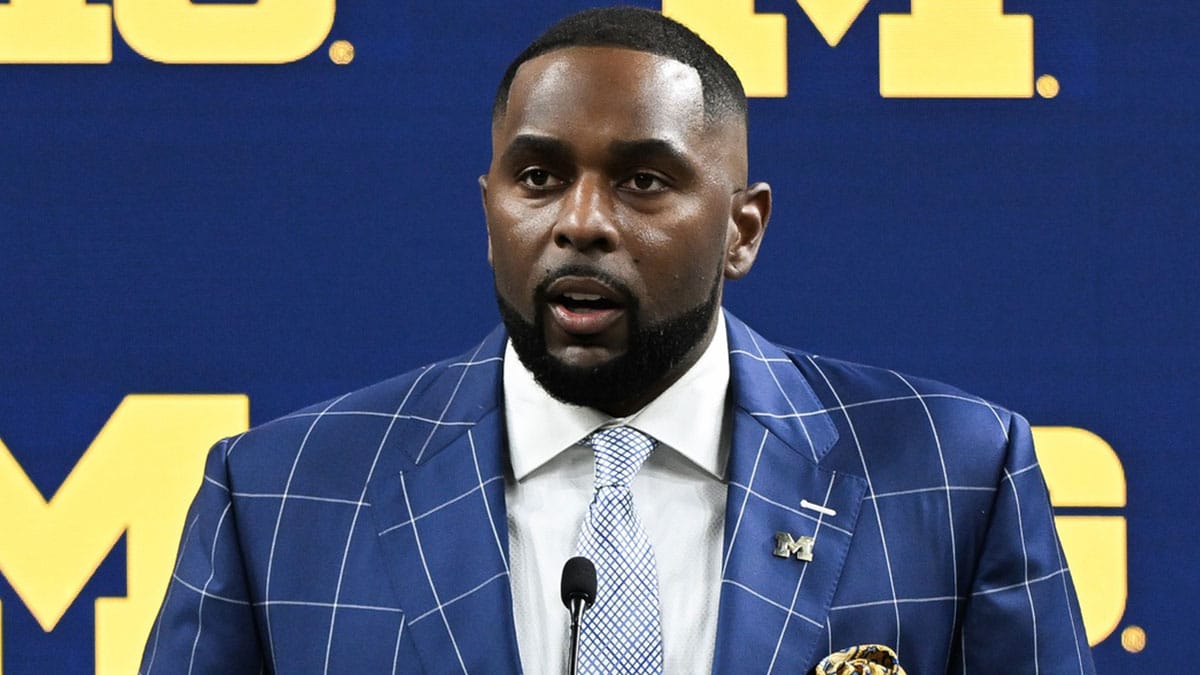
(641, 30)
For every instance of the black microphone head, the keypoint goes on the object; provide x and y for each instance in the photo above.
(579, 581)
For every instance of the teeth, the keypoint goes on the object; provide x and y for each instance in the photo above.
(582, 297)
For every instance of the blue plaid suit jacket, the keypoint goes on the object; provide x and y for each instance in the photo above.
(368, 534)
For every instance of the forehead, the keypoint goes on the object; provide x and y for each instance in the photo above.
(608, 91)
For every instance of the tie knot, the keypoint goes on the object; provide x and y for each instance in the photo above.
(620, 452)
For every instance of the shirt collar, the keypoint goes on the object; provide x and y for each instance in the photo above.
(689, 417)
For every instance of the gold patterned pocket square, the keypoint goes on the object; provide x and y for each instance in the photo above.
(860, 660)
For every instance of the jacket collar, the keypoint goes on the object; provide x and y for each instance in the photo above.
(767, 385)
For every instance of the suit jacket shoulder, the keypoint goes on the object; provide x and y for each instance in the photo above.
(394, 424)
(911, 428)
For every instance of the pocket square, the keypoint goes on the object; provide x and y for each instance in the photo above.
(860, 660)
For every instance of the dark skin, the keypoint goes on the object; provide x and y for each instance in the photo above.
(603, 158)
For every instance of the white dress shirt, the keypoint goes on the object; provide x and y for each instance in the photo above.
(679, 494)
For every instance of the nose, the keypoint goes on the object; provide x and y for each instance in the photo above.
(585, 221)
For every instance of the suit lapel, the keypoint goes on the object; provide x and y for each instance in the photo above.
(442, 525)
(773, 610)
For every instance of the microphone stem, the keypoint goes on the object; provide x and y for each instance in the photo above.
(577, 607)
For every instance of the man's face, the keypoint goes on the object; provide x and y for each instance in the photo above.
(614, 212)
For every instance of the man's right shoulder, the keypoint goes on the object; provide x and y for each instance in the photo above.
(387, 422)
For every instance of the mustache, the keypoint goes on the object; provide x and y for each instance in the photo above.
(540, 294)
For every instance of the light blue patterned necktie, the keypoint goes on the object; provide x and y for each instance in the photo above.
(621, 632)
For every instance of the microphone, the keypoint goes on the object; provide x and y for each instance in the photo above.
(578, 593)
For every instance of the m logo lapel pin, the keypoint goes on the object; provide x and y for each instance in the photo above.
(786, 546)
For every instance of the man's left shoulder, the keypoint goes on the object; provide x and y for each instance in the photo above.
(879, 410)
(859, 384)
(885, 411)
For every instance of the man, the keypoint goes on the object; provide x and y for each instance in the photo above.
(786, 506)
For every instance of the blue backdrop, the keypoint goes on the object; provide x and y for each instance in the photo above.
(294, 231)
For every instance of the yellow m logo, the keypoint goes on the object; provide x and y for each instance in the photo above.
(944, 48)
(170, 31)
(137, 478)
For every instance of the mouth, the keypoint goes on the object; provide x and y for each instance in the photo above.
(584, 306)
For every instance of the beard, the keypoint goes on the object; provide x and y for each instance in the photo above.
(654, 350)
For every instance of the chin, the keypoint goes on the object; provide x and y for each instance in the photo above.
(594, 377)
(583, 357)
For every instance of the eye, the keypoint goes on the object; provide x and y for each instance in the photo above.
(539, 179)
(644, 181)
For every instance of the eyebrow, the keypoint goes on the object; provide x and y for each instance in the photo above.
(524, 145)
(650, 149)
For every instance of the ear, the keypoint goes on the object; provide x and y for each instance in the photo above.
(750, 211)
(487, 221)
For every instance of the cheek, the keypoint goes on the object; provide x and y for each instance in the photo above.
(515, 239)
(678, 265)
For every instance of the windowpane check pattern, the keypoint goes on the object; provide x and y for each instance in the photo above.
(621, 632)
(368, 534)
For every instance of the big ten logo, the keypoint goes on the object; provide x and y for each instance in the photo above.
(135, 479)
(1084, 475)
(943, 49)
(170, 31)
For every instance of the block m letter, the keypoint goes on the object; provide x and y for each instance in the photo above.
(137, 477)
